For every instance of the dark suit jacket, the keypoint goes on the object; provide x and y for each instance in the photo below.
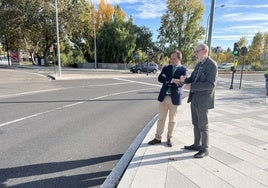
(176, 91)
(202, 89)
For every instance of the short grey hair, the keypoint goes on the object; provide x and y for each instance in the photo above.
(203, 46)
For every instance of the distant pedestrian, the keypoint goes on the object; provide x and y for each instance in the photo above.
(266, 81)
(202, 86)
(170, 96)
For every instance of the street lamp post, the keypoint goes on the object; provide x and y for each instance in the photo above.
(211, 24)
(206, 38)
(95, 44)
(58, 38)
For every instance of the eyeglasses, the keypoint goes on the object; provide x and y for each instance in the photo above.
(196, 51)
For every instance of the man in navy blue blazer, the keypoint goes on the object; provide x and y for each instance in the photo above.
(170, 96)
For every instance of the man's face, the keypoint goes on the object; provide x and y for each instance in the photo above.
(174, 59)
(199, 53)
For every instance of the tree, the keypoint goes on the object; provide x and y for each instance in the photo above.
(256, 48)
(88, 20)
(105, 12)
(80, 29)
(30, 24)
(143, 37)
(116, 42)
(265, 41)
(243, 41)
(222, 57)
(181, 27)
(118, 39)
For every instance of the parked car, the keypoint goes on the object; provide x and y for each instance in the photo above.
(144, 67)
(225, 66)
(3, 60)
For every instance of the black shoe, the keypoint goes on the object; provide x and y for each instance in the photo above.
(193, 147)
(201, 154)
(169, 142)
(154, 141)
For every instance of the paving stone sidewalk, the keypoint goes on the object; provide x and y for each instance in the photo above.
(238, 148)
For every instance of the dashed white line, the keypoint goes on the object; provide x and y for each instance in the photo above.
(73, 104)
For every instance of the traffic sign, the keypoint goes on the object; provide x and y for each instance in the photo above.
(244, 51)
(235, 61)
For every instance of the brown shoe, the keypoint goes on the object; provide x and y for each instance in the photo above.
(154, 141)
(169, 142)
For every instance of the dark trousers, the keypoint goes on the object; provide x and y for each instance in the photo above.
(200, 123)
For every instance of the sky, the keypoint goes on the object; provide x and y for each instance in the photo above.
(233, 19)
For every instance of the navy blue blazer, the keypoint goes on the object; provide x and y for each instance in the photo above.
(176, 91)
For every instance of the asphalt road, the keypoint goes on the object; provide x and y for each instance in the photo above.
(68, 133)
(71, 133)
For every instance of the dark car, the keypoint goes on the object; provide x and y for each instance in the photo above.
(144, 67)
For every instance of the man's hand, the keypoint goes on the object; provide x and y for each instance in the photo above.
(178, 82)
(182, 78)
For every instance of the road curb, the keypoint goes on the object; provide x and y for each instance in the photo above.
(114, 177)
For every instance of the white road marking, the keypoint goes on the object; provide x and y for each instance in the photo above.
(74, 104)
(57, 89)
(144, 83)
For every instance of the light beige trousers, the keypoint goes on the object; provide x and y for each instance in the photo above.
(166, 107)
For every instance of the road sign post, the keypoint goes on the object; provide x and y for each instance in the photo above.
(244, 51)
(150, 54)
(233, 69)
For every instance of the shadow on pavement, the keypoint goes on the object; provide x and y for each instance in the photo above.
(81, 180)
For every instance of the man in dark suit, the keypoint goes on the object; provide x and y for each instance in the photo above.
(170, 96)
(202, 86)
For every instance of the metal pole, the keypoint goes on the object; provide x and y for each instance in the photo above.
(211, 24)
(58, 38)
(206, 38)
(242, 70)
(232, 81)
(95, 46)
(54, 58)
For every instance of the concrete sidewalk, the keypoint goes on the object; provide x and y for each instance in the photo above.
(238, 148)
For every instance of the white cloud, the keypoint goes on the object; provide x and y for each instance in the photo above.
(151, 9)
(243, 29)
(247, 6)
(237, 17)
(232, 37)
(146, 9)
